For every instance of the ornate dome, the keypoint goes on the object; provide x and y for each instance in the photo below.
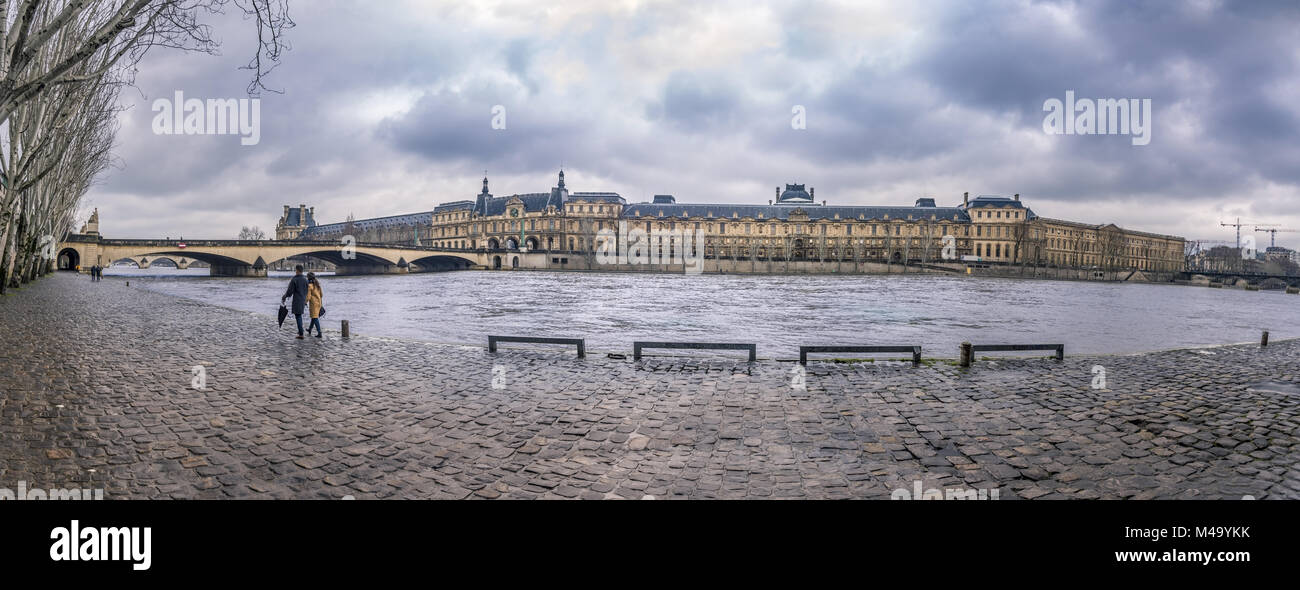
(794, 193)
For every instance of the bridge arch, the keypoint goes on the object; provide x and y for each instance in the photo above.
(439, 262)
(250, 258)
(175, 256)
(69, 259)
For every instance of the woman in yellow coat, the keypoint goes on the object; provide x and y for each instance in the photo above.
(315, 301)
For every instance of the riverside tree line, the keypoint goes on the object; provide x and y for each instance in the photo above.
(63, 66)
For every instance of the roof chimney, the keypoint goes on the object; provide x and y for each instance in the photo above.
(778, 193)
(769, 201)
(1017, 196)
(965, 199)
(811, 192)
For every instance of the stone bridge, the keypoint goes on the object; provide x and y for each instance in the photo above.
(250, 258)
(1234, 278)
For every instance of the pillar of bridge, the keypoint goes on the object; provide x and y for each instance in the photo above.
(236, 270)
(343, 270)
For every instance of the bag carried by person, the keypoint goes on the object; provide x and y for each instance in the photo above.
(322, 312)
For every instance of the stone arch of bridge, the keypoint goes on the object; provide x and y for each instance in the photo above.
(117, 254)
(69, 259)
(442, 262)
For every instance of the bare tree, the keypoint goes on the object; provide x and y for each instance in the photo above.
(251, 233)
(62, 66)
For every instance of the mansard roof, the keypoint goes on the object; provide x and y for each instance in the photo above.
(454, 206)
(295, 217)
(598, 196)
(794, 193)
(724, 211)
(533, 202)
(425, 218)
(997, 201)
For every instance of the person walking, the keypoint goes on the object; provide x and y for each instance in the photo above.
(315, 302)
(298, 290)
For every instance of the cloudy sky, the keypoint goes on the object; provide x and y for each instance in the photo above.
(387, 108)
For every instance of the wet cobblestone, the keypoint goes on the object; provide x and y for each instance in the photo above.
(95, 391)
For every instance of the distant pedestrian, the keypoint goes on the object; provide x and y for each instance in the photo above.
(315, 302)
(298, 290)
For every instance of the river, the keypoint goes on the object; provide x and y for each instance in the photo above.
(779, 313)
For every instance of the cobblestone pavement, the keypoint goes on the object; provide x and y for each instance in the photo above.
(96, 391)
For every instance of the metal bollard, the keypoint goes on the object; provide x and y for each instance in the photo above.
(346, 333)
(1263, 339)
(966, 354)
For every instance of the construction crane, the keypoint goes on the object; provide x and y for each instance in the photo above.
(1272, 238)
(1239, 224)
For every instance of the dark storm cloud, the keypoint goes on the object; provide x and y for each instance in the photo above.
(389, 111)
(696, 103)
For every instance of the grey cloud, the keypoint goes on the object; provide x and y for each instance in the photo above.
(957, 107)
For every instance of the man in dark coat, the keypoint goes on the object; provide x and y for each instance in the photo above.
(298, 290)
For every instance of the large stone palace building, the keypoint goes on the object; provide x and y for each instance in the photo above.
(793, 226)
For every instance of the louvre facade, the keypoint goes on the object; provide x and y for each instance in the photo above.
(792, 226)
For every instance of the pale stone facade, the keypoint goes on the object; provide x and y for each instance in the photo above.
(1008, 232)
(793, 227)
